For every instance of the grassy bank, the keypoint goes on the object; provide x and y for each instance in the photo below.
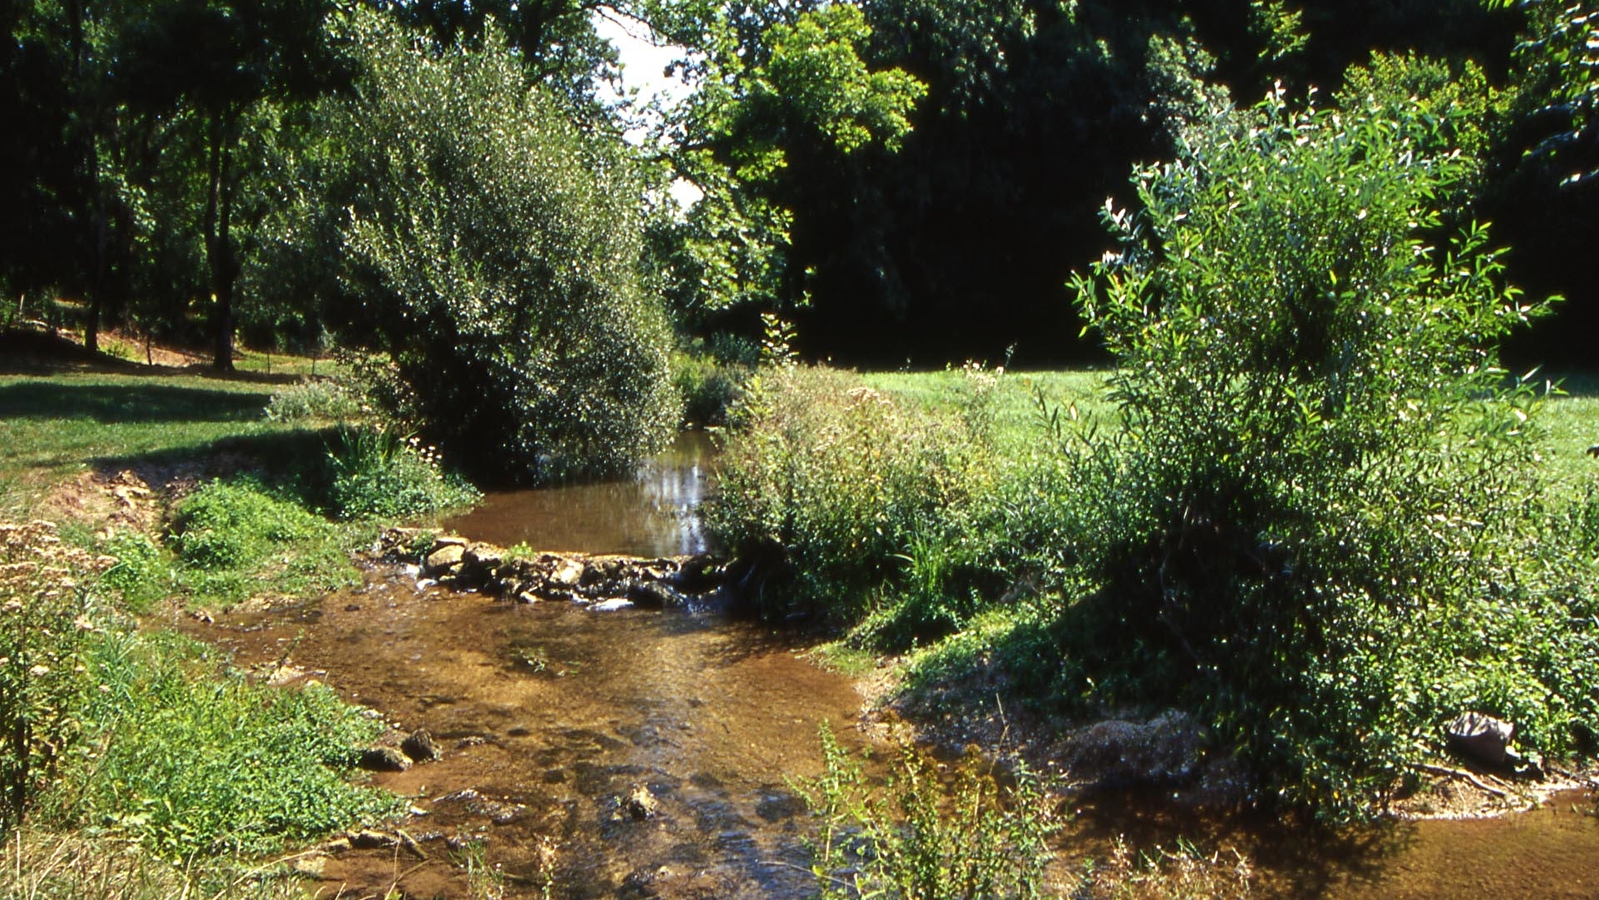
(142, 764)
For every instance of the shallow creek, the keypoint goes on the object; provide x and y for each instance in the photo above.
(550, 716)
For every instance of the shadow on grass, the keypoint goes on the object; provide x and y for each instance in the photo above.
(25, 352)
(290, 460)
(120, 404)
(1578, 384)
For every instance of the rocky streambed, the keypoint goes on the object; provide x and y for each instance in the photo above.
(608, 581)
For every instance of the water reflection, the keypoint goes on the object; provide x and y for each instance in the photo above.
(650, 514)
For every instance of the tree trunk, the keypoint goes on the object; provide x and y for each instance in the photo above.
(89, 157)
(218, 243)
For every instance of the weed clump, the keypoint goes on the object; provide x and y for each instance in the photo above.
(311, 401)
(375, 472)
(232, 539)
(837, 488)
(922, 837)
(45, 623)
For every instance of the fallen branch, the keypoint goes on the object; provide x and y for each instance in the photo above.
(1463, 775)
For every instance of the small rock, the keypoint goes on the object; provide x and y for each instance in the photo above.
(638, 805)
(420, 746)
(612, 605)
(310, 866)
(444, 557)
(653, 595)
(337, 845)
(568, 573)
(373, 840)
(384, 759)
(486, 556)
(449, 540)
(1480, 738)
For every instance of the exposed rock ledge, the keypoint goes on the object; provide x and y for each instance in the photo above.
(605, 581)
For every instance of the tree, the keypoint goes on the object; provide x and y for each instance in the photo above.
(778, 88)
(215, 62)
(496, 243)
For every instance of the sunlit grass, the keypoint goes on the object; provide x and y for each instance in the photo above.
(54, 427)
(1569, 421)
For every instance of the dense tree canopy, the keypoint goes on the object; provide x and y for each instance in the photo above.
(905, 179)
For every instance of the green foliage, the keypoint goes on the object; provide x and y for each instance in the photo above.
(1558, 55)
(834, 484)
(235, 540)
(1317, 520)
(44, 625)
(767, 79)
(921, 837)
(312, 401)
(375, 472)
(498, 244)
(143, 573)
(1445, 107)
(190, 760)
(709, 387)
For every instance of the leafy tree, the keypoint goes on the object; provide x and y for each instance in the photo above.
(771, 81)
(555, 39)
(497, 244)
(1318, 519)
(1544, 190)
(216, 62)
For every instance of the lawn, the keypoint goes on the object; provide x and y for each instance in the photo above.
(1569, 421)
(52, 427)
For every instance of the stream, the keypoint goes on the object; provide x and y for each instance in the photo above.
(551, 716)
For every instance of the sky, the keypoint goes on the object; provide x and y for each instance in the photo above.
(644, 70)
(643, 63)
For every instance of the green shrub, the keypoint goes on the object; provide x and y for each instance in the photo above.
(839, 489)
(921, 837)
(235, 540)
(375, 472)
(317, 400)
(498, 244)
(187, 758)
(709, 388)
(1317, 520)
(142, 574)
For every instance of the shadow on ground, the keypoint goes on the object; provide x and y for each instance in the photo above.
(120, 404)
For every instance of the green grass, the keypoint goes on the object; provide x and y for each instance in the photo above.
(1571, 424)
(52, 428)
(1570, 421)
(1016, 411)
(186, 757)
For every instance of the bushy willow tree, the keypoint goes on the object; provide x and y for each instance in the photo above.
(1318, 521)
(498, 245)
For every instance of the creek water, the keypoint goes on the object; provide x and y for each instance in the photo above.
(650, 514)
(551, 716)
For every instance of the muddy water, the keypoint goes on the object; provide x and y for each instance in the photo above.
(651, 514)
(1550, 853)
(550, 716)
